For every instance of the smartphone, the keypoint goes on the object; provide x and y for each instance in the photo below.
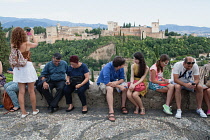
(193, 84)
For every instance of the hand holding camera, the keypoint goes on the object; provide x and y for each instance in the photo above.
(30, 31)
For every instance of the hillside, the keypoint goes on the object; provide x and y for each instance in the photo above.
(104, 52)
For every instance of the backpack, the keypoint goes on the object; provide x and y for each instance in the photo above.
(7, 102)
(16, 58)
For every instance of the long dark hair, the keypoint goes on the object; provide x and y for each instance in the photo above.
(163, 58)
(142, 64)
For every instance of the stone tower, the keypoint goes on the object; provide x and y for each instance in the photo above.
(51, 32)
(59, 27)
(112, 25)
(155, 27)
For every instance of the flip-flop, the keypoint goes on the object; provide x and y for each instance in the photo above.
(13, 110)
(25, 115)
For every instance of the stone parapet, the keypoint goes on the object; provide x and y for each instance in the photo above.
(96, 99)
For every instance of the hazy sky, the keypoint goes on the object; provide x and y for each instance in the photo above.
(143, 12)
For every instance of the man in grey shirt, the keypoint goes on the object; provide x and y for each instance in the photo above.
(53, 75)
(186, 76)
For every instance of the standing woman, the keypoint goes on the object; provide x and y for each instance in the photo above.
(77, 79)
(139, 71)
(24, 75)
(160, 84)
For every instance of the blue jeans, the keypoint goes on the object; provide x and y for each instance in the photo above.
(12, 89)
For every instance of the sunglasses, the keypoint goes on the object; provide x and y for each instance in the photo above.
(190, 63)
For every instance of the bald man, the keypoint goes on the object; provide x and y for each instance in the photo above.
(186, 76)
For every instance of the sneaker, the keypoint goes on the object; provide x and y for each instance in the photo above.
(208, 112)
(167, 109)
(178, 114)
(201, 113)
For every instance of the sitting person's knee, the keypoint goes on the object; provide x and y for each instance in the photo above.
(178, 87)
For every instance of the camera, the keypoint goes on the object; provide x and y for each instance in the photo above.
(28, 30)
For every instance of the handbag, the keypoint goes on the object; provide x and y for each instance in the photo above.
(7, 102)
(140, 87)
(76, 79)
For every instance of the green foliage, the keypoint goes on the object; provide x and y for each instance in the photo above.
(127, 25)
(4, 50)
(129, 72)
(171, 33)
(39, 30)
(95, 31)
(125, 46)
(92, 76)
(9, 77)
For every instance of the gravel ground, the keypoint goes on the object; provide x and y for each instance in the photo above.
(94, 125)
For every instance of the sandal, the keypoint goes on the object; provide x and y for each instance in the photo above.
(136, 111)
(124, 110)
(111, 117)
(142, 111)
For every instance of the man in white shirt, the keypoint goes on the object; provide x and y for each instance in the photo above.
(186, 76)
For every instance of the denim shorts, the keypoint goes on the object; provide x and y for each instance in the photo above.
(154, 86)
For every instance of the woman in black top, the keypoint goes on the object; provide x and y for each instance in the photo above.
(78, 81)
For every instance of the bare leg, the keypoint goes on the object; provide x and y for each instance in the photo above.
(124, 97)
(206, 97)
(199, 96)
(178, 95)
(170, 94)
(21, 97)
(109, 98)
(32, 95)
(138, 99)
(130, 97)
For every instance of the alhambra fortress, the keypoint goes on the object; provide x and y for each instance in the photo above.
(59, 32)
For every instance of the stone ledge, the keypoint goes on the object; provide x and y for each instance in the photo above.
(152, 100)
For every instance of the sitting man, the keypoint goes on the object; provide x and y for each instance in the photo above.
(112, 76)
(184, 73)
(53, 75)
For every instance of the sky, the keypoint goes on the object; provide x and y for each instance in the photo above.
(140, 12)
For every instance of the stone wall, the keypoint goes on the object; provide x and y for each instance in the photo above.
(95, 99)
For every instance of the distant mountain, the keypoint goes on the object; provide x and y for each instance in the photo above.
(201, 31)
(31, 22)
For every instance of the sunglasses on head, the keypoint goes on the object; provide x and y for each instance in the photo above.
(190, 63)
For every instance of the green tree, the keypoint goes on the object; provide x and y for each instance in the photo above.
(39, 30)
(92, 76)
(4, 49)
(129, 72)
